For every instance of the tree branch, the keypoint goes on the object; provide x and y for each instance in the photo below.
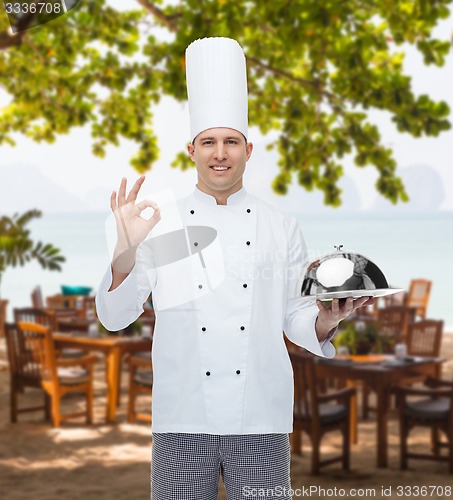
(315, 84)
(158, 14)
(9, 39)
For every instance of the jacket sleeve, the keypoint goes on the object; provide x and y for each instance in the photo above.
(120, 307)
(301, 313)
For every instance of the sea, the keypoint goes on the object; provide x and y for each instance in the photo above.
(404, 246)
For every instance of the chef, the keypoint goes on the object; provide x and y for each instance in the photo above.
(223, 382)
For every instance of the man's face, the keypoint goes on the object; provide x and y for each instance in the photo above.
(220, 155)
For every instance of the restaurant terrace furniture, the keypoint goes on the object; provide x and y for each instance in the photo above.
(393, 323)
(71, 323)
(397, 299)
(316, 414)
(424, 338)
(20, 375)
(382, 373)
(46, 318)
(3, 304)
(418, 296)
(140, 382)
(33, 363)
(36, 315)
(36, 297)
(113, 348)
(433, 409)
(61, 301)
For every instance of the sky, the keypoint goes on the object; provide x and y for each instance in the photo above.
(70, 164)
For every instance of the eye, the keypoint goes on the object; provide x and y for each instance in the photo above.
(206, 143)
(232, 141)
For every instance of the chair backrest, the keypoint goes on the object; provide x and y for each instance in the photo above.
(393, 322)
(396, 299)
(15, 348)
(59, 301)
(39, 356)
(36, 315)
(424, 338)
(36, 297)
(305, 386)
(419, 291)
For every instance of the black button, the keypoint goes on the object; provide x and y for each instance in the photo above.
(247, 242)
(203, 329)
(192, 212)
(248, 210)
(245, 285)
(196, 244)
(208, 373)
(238, 371)
(200, 286)
(242, 327)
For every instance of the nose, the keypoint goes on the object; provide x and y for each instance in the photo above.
(220, 151)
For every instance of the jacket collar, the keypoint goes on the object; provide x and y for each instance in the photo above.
(235, 199)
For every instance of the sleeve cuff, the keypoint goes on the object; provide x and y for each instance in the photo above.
(118, 308)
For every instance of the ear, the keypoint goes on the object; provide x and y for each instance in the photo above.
(191, 151)
(248, 150)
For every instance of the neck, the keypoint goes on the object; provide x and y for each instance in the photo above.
(221, 197)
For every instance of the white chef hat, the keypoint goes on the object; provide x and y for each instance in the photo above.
(216, 85)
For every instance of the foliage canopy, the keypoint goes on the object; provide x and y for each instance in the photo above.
(17, 248)
(315, 69)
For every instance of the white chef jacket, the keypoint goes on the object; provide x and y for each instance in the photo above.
(220, 362)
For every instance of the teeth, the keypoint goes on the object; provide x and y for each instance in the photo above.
(220, 168)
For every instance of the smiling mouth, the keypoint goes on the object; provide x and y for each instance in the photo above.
(219, 168)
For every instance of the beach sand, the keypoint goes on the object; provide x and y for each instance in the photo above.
(113, 461)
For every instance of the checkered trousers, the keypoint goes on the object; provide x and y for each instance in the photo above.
(187, 466)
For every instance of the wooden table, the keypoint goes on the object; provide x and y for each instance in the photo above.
(113, 348)
(381, 375)
(73, 324)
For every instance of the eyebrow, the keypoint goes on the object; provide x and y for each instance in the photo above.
(213, 138)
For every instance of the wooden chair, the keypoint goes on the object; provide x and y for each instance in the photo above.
(46, 318)
(393, 324)
(424, 338)
(88, 307)
(36, 315)
(140, 382)
(36, 297)
(434, 410)
(396, 299)
(3, 304)
(59, 301)
(316, 414)
(33, 363)
(418, 296)
(21, 373)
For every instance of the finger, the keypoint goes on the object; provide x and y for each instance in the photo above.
(122, 192)
(335, 307)
(361, 302)
(147, 204)
(321, 306)
(152, 221)
(135, 189)
(349, 306)
(156, 215)
(113, 204)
